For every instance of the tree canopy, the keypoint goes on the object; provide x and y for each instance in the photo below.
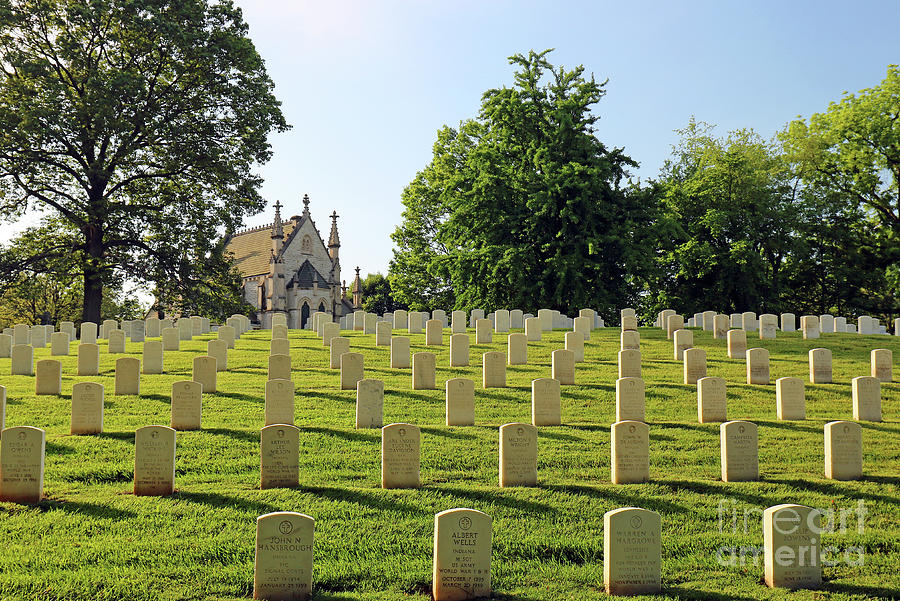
(136, 126)
(522, 206)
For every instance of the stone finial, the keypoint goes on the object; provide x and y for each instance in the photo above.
(306, 205)
(333, 239)
(277, 230)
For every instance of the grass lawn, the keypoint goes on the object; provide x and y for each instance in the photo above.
(91, 538)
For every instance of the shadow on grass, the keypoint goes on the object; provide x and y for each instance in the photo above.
(495, 497)
(356, 436)
(616, 494)
(722, 489)
(162, 398)
(704, 595)
(836, 489)
(93, 510)
(329, 396)
(543, 433)
(238, 396)
(789, 425)
(245, 435)
(456, 434)
(868, 592)
(382, 501)
(218, 500)
(126, 436)
(54, 448)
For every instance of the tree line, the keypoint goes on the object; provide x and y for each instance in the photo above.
(523, 206)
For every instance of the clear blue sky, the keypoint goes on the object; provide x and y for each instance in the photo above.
(366, 84)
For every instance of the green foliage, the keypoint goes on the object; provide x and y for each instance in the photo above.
(91, 539)
(137, 123)
(377, 296)
(40, 283)
(523, 206)
(731, 216)
(849, 158)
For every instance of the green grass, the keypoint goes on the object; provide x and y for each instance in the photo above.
(92, 539)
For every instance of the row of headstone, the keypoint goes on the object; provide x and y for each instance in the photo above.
(768, 324)
(461, 562)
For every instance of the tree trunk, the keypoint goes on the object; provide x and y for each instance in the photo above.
(93, 274)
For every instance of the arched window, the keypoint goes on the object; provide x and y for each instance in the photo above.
(321, 307)
(304, 315)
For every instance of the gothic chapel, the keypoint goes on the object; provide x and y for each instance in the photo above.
(287, 268)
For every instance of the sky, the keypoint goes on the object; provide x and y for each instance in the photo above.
(366, 85)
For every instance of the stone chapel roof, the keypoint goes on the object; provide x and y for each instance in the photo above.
(252, 248)
(308, 275)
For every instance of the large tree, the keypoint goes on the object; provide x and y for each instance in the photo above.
(137, 123)
(524, 206)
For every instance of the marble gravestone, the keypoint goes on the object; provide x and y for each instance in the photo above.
(790, 398)
(187, 405)
(843, 450)
(483, 333)
(630, 451)
(434, 333)
(279, 456)
(22, 464)
(22, 363)
(757, 366)
(369, 403)
(630, 399)
(351, 369)
(279, 367)
(152, 355)
(128, 376)
(632, 552)
(546, 407)
(400, 358)
(87, 408)
(533, 329)
(339, 346)
(283, 562)
(882, 362)
(792, 546)
(737, 344)
(711, 400)
(423, 371)
(154, 461)
(630, 364)
(59, 344)
(279, 401)
(460, 402)
(683, 340)
(866, 392)
(278, 346)
(630, 340)
(562, 366)
(694, 365)
(493, 368)
(205, 373)
(88, 359)
(739, 450)
(48, 377)
(459, 350)
(116, 343)
(218, 350)
(517, 349)
(400, 456)
(820, 366)
(170, 339)
(575, 343)
(518, 455)
(462, 555)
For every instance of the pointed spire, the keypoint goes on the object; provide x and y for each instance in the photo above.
(277, 230)
(334, 240)
(306, 205)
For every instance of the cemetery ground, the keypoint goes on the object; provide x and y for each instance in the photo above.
(91, 538)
